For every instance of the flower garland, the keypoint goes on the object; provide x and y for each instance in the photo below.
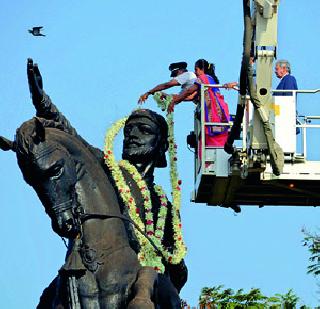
(180, 250)
(148, 255)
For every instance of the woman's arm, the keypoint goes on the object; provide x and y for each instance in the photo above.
(188, 93)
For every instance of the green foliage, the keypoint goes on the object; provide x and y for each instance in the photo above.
(312, 242)
(216, 297)
(289, 300)
(219, 298)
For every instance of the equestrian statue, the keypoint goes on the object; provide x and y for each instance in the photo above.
(103, 266)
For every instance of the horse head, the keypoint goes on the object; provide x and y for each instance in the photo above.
(72, 185)
(48, 167)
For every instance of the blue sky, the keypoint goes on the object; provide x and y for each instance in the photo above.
(96, 59)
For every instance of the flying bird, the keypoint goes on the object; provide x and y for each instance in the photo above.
(36, 31)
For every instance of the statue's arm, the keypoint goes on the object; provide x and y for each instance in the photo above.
(42, 102)
(47, 110)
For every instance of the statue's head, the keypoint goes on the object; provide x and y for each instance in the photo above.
(145, 138)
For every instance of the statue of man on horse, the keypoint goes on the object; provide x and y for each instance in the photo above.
(80, 196)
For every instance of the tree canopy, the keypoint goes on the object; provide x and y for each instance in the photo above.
(218, 297)
(312, 242)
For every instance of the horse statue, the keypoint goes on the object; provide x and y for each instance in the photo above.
(101, 269)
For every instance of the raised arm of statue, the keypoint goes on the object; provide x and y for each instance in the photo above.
(47, 110)
(41, 101)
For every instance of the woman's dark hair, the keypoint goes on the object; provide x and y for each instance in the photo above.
(208, 68)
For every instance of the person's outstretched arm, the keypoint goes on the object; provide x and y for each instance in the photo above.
(173, 82)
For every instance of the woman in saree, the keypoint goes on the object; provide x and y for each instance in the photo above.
(216, 109)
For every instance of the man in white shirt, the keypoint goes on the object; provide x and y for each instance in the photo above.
(180, 77)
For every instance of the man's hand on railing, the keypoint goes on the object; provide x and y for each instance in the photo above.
(232, 85)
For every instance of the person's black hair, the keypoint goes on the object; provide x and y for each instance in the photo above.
(208, 68)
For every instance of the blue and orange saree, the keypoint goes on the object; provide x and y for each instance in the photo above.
(216, 110)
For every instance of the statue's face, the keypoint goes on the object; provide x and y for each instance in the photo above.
(141, 140)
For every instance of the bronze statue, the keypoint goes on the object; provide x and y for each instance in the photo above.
(145, 144)
(75, 187)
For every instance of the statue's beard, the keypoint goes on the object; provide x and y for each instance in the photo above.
(139, 156)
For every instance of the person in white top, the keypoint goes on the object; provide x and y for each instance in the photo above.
(180, 77)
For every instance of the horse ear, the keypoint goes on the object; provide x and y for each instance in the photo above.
(6, 144)
(39, 133)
